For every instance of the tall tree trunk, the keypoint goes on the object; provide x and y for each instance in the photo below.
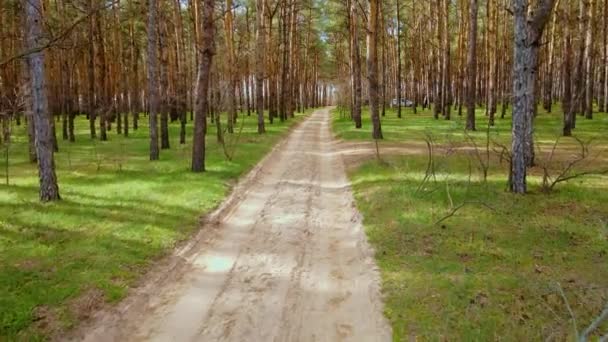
(232, 73)
(74, 91)
(29, 109)
(472, 65)
(153, 93)
(101, 61)
(283, 96)
(399, 92)
(438, 62)
(91, 73)
(247, 77)
(164, 83)
(548, 84)
(446, 93)
(260, 37)
(579, 103)
(49, 190)
(204, 70)
(372, 67)
(356, 60)
(605, 106)
(567, 101)
(527, 36)
(588, 59)
(492, 61)
(384, 62)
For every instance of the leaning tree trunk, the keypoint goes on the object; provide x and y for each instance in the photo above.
(202, 87)
(49, 190)
(153, 100)
(372, 68)
(472, 65)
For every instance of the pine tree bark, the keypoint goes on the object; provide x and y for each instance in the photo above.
(605, 105)
(260, 37)
(356, 65)
(103, 103)
(471, 65)
(283, 96)
(182, 100)
(49, 190)
(153, 91)
(588, 59)
(232, 76)
(438, 62)
(202, 87)
(29, 110)
(91, 74)
(372, 67)
(399, 82)
(567, 103)
(548, 82)
(492, 61)
(579, 81)
(527, 37)
(446, 79)
(164, 83)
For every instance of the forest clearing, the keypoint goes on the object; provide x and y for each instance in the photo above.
(303, 170)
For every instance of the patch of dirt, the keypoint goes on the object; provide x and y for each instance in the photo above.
(572, 209)
(28, 265)
(47, 321)
(83, 306)
(356, 153)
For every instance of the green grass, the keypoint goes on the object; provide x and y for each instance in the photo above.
(119, 213)
(414, 126)
(482, 274)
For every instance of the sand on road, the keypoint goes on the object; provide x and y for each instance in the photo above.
(289, 261)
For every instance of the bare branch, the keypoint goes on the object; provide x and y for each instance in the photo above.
(595, 324)
(572, 317)
(455, 210)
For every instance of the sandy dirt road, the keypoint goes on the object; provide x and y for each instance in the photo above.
(288, 261)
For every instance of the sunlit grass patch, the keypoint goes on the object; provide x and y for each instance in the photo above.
(548, 126)
(493, 269)
(119, 213)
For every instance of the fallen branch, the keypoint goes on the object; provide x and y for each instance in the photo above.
(572, 317)
(594, 325)
(430, 168)
(456, 209)
(566, 174)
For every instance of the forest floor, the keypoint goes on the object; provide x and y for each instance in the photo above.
(120, 214)
(285, 256)
(287, 260)
(502, 266)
